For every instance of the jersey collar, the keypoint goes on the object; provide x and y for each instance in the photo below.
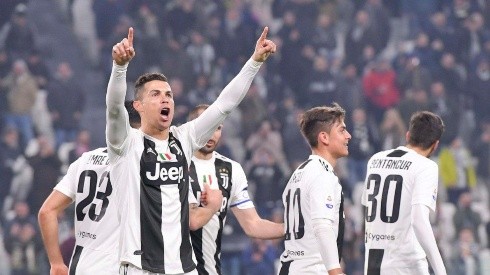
(323, 161)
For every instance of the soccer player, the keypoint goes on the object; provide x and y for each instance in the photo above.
(220, 172)
(399, 192)
(88, 185)
(151, 163)
(313, 199)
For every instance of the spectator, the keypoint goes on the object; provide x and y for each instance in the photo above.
(457, 171)
(414, 75)
(270, 140)
(65, 102)
(259, 258)
(414, 101)
(466, 218)
(481, 150)
(363, 143)
(17, 37)
(380, 88)
(393, 130)
(349, 90)
(321, 84)
(38, 68)
(447, 108)
(324, 38)
(21, 95)
(22, 241)
(359, 36)
(46, 166)
(267, 178)
(465, 259)
(80, 146)
(201, 53)
(479, 88)
(16, 178)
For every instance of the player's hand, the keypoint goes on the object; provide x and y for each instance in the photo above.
(264, 47)
(213, 197)
(123, 51)
(59, 269)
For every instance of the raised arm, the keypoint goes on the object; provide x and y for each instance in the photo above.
(234, 92)
(117, 127)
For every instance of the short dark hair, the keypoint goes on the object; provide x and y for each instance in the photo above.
(320, 119)
(134, 116)
(194, 113)
(425, 129)
(142, 80)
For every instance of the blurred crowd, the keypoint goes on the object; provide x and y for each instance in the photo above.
(381, 60)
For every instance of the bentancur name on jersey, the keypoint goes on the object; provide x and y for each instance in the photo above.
(390, 164)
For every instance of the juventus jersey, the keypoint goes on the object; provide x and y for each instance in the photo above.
(87, 183)
(396, 179)
(155, 220)
(228, 176)
(313, 192)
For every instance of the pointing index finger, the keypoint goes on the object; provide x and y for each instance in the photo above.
(263, 36)
(130, 37)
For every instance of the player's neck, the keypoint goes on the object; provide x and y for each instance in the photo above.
(155, 133)
(204, 156)
(420, 151)
(327, 156)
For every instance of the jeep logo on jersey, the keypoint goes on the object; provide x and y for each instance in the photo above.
(168, 172)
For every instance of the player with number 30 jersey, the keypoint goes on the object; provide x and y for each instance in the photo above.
(399, 190)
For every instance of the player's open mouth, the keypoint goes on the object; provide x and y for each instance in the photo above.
(164, 112)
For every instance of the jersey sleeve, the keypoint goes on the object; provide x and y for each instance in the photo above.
(117, 125)
(425, 186)
(324, 197)
(239, 196)
(69, 182)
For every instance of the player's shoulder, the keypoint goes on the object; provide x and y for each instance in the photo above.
(316, 166)
(227, 159)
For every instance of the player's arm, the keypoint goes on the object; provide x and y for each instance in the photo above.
(117, 127)
(256, 227)
(234, 92)
(324, 207)
(48, 222)
(200, 216)
(425, 236)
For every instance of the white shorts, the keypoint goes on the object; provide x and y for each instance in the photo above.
(303, 267)
(89, 261)
(129, 269)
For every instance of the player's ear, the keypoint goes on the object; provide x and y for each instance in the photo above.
(407, 136)
(138, 105)
(324, 138)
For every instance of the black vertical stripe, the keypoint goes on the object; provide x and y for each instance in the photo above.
(285, 268)
(375, 258)
(218, 245)
(340, 236)
(222, 168)
(152, 246)
(198, 251)
(75, 258)
(185, 246)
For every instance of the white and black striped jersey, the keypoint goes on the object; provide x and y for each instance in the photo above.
(153, 205)
(88, 184)
(396, 179)
(228, 176)
(312, 192)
